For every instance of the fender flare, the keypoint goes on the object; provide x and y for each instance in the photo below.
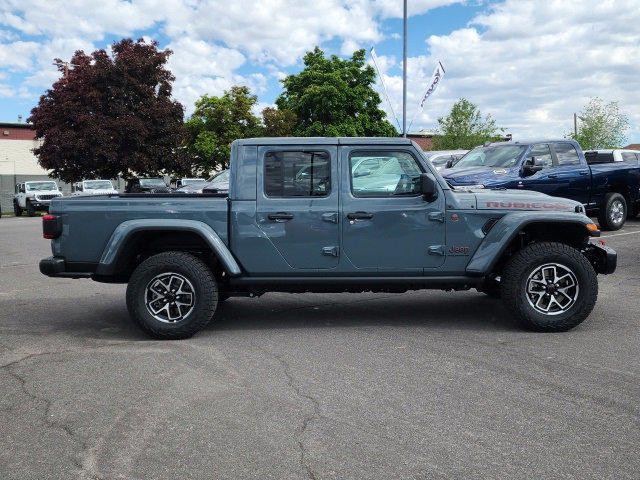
(123, 232)
(505, 230)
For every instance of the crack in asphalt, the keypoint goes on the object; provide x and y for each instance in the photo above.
(307, 419)
(86, 471)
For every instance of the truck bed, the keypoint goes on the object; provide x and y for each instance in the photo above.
(96, 218)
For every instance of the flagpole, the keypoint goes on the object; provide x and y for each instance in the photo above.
(404, 71)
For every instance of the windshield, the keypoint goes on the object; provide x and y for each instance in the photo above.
(192, 181)
(493, 156)
(98, 185)
(222, 177)
(41, 186)
(152, 182)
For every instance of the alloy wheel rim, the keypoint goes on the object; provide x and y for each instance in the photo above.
(169, 297)
(552, 289)
(617, 212)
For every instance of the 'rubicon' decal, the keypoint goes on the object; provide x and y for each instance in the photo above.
(528, 205)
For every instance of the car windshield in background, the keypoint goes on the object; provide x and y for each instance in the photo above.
(193, 181)
(493, 156)
(41, 186)
(98, 185)
(220, 178)
(152, 182)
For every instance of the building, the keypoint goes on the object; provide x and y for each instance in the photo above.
(424, 138)
(17, 161)
(633, 146)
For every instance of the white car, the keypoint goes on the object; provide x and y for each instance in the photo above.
(93, 187)
(34, 196)
(439, 158)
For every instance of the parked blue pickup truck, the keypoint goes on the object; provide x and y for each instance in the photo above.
(558, 168)
(330, 215)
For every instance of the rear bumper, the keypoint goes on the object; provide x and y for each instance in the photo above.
(56, 267)
(604, 259)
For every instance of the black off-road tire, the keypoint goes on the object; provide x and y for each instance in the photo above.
(204, 285)
(17, 211)
(523, 263)
(605, 211)
(31, 211)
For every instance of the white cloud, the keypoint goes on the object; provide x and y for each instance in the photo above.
(531, 64)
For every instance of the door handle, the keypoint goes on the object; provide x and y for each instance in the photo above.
(584, 172)
(552, 175)
(280, 216)
(360, 216)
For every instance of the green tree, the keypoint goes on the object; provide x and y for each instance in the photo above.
(111, 115)
(465, 128)
(218, 121)
(278, 123)
(601, 125)
(335, 97)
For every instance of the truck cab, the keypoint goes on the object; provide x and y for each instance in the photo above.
(330, 215)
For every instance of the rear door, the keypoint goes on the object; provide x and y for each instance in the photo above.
(387, 226)
(571, 173)
(297, 204)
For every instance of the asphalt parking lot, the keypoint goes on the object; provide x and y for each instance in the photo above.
(419, 385)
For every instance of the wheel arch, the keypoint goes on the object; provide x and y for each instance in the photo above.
(134, 237)
(514, 231)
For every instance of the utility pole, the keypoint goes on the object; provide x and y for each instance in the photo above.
(65, 65)
(575, 125)
(404, 71)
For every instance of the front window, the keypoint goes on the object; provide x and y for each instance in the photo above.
(152, 182)
(98, 185)
(297, 174)
(41, 186)
(542, 154)
(397, 174)
(503, 156)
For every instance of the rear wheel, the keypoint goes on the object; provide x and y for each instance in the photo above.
(172, 295)
(613, 212)
(549, 287)
(17, 210)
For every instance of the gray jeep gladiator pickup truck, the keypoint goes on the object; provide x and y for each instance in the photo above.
(330, 215)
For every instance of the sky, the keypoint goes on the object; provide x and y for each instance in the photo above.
(529, 63)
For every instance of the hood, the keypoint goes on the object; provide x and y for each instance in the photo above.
(477, 175)
(523, 200)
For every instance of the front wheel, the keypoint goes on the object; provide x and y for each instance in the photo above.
(172, 295)
(549, 287)
(31, 211)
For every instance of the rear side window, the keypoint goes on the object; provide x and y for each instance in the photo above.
(297, 174)
(567, 154)
(629, 157)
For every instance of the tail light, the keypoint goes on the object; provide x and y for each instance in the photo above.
(51, 226)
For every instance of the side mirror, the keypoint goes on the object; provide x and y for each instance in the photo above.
(532, 165)
(428, 187)
(449, 163)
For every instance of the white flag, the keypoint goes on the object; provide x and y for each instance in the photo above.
(436, 78)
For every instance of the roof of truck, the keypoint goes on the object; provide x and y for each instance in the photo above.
(529, 141)
(325, 141)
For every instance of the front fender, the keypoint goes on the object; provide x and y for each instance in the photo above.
(124, 231)
(505, 230)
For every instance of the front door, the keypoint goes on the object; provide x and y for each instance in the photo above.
(387, 226)
(297, 204)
